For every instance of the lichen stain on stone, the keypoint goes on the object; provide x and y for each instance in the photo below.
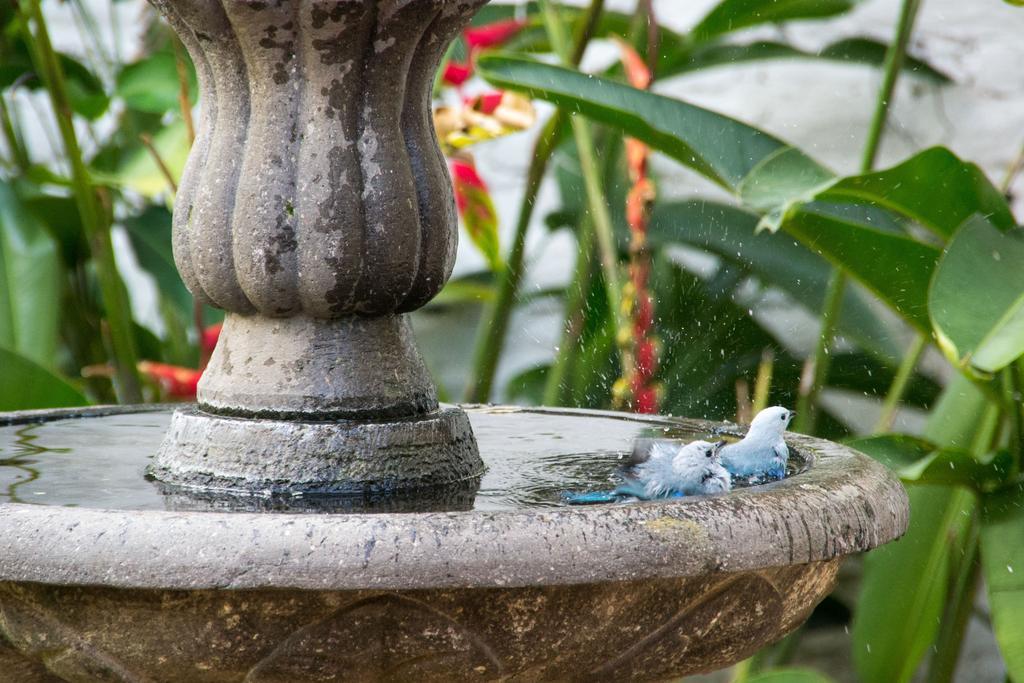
(674, 524)
(321, 16)
(332, 51)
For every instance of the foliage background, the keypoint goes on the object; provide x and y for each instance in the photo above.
(721, 299)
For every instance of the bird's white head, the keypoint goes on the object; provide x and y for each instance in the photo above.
(701, 452)
(771, 421)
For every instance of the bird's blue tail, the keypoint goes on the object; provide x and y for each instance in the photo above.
(589, 497)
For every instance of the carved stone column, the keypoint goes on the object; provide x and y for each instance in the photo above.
(317, 211)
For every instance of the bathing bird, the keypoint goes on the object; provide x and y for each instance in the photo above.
(763, 451)
(669, 471)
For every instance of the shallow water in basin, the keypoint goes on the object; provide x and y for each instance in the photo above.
(531, 458)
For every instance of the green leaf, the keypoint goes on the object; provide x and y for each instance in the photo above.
(850, 51)
(1002, 558)
(721, 148)
(150, 236)
(29, 282)
(152, 84)
(728, 232)
(933, 187)
(26, 385)
(895, 267)
(789, 676)
(140, 172)
(977, 297)
(903, 591)
(918, 460)
(733, 15)
(868, 51)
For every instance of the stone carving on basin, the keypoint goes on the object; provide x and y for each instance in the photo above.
(316, 210)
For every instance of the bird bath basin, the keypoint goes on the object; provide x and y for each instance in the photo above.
(319, 516)
(107, 576)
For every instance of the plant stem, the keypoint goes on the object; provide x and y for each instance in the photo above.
(763, 383)
(1013, 385)
(574, 318)
(14, 143)
(600, 218)
(900, 383)
(147, 142)
(491, 336)
(962, 589)
(94, 222)
(807, 401)
(894, 56)
(494, 325)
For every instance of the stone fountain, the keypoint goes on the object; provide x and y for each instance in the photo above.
(317, 212)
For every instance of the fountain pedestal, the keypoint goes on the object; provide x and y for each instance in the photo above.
(316, 209)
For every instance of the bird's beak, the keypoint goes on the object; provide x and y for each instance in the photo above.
(719, 445)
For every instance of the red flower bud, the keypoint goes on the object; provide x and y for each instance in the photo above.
(210, 336)
(456, 73)
(492, 34)
(177, 381)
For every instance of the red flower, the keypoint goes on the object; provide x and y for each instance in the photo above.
(456, 73)
(210, 336)
(486, 103)
(492, 34)
(176, 381)
(645, 400)
(646, 358)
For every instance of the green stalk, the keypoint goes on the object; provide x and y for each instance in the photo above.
(807, 401)
(963, 586)
(600, 218)
(894, 56)
(576, 298)
(491, 335)
(14, 142)
(900, 383)
(94, 222)
(1013, 385)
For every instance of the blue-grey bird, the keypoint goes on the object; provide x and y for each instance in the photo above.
(763, 451)
(668, 471)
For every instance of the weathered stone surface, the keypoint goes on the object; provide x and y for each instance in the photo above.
(623, 631)
(643, 591)
(245, 455)
(316, 209)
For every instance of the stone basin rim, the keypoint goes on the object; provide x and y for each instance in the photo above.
(843, 503)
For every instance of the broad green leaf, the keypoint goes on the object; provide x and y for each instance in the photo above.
(909, 579)
(920, 461)
(140, 172)
(85, 91)
(1002, 558)
(850, 51)
(721, 148)
(895, 267)
(933, 187)
(732, 15)
(150, 235)
(776, 260)
(903, 591)
(868, 51)
(26, 385)
(789, 676)
(977, 297)
(30, 282)
(152, 84)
